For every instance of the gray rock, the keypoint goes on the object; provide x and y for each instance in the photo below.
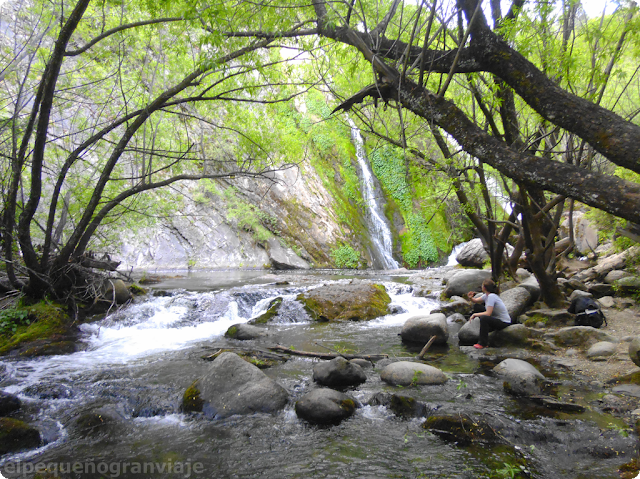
(469, 333)
(522, 274)
(325, 406)
(420, 329)
(115, 289)
(402, 406)
(456, 318)
(245, 332)
(516, 300)
(233, 386)
(554, 317)
(17, 435)
(515, 335)
(578, 293)
(465, 281)
(601, 350)
(628, 285)
(578, 336)
(406, 373)
(8, 403)
(363, 363)
(607, 302)
(284, 257)
(576, 284)
(531, 284)
(598, 290)
(460, 306)
(338, 373)
(521, 378)
(634, 350)
(627, 390)
(615, 275)
(473, 254)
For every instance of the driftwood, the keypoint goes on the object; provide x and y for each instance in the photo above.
(308, 354)
(556, 405)
(426, 347)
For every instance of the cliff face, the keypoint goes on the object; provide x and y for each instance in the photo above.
(245, 224)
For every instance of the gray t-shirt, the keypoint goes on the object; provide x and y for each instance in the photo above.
(499, 309)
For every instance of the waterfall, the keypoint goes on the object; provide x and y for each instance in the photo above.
(378, 228)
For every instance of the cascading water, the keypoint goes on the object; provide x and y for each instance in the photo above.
(138, 363)
(378, 228)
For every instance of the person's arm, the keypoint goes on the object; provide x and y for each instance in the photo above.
(486, 312)
(471, 295)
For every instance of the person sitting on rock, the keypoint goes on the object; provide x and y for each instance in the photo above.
(495, 316)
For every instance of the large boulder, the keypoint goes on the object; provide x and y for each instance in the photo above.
(8, 403)
(420, 329)
(464, 281)
(628, 285)
(551, 317)
(601, 351)
(402, 406)
(634, 350)
(17, 435)
(115, 290)
(520, 377)
(233, 386)
(585, 233)
(407, 373)
(338, 373)
(245, 332)
(531, 284)
(458, 306)
(325, 406)
(284, 257)
(616, 275)
(578, 336)
(516, 301)
(346, 302)
(514, 335)
(469, 333)
(473, 254)
(462, 429)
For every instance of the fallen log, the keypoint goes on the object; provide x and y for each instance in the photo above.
(309, 354)
(556, 405)
(426, 347)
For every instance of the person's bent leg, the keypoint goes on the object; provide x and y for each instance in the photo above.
(488, 324)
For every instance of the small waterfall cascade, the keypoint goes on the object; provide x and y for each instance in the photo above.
(378, 227)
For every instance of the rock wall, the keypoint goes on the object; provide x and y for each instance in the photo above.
(204, 236)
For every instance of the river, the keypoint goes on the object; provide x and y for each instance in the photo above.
(138, 362)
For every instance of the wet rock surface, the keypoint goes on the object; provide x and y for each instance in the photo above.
(346, 302)
(325, 407)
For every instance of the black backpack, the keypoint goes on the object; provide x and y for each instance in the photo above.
(587, 312)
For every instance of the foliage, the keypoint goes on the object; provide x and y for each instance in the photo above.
(10, 319)
(387, 163)
(418, 247)
(247, 216)
(345, 256)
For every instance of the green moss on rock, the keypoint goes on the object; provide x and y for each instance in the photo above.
(271, 311)
(346, 302)
(191, 400)
(17, 435)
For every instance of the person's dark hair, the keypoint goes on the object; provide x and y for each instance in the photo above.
(490, 286)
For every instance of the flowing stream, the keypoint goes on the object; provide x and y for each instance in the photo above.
(139, 361)
(378, 229)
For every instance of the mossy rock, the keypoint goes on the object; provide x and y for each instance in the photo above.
(92, 423)
(633, 378)
(462, 429)
(48, 321)
(17, 435)
(346, 302)
(137, 290)
(191, 400)
(53, 348)
(271, 311)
